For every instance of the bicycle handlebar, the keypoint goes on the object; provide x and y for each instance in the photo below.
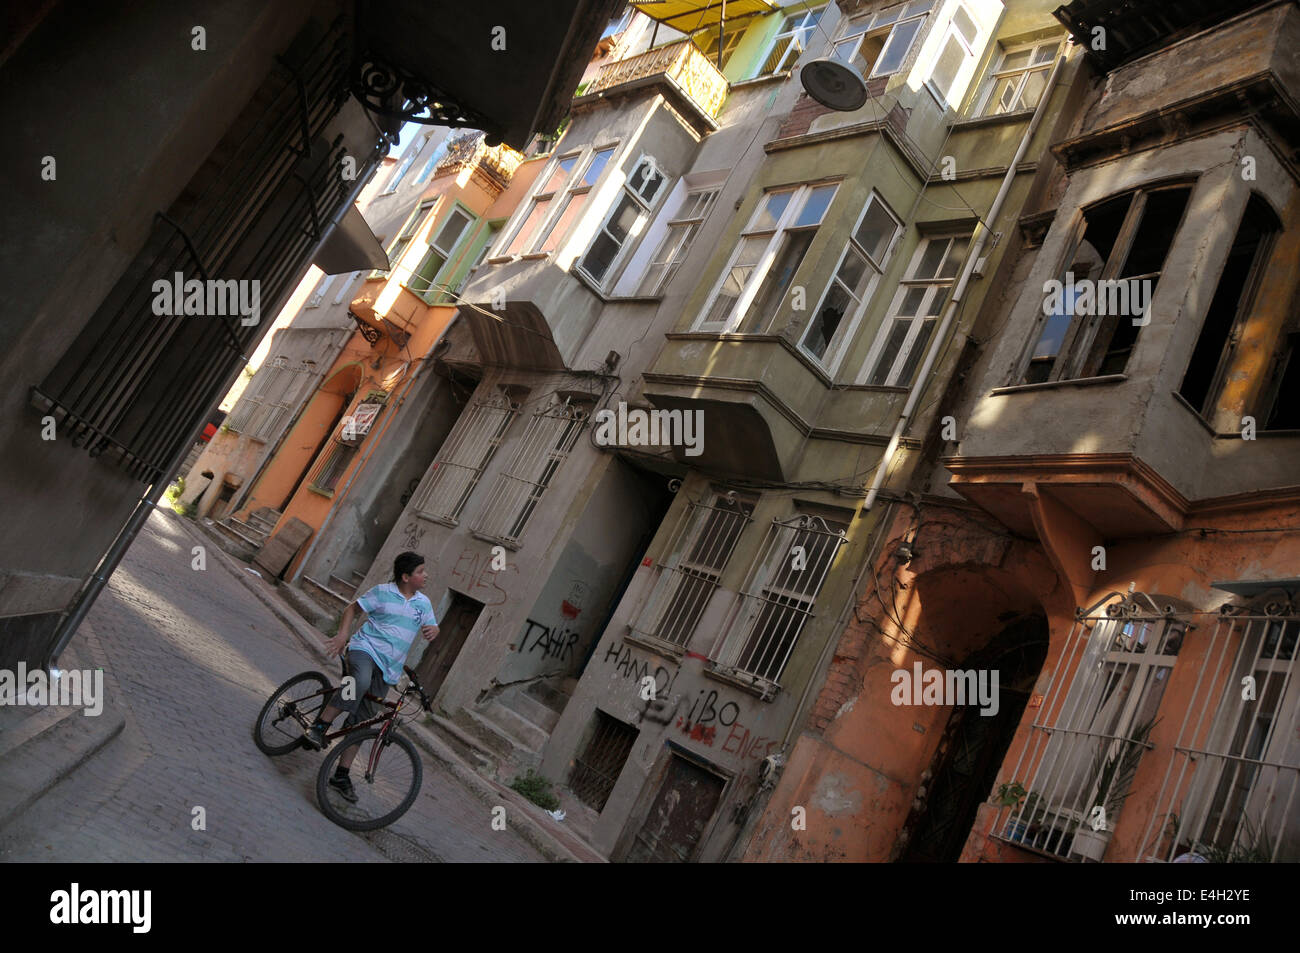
(415, 683)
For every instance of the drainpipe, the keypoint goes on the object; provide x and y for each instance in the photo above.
(126, 536)
(972, 256)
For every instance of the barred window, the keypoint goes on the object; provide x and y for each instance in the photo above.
(778, 598)
(463, 458)
(266, 405)
(550, 436)
(698, 552)
(1231, 791)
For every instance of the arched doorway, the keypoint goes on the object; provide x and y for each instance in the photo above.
(973, 745)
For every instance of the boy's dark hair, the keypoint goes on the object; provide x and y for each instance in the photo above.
(406, 562)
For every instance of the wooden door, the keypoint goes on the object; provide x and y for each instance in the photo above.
(453, 629)
(679, 815)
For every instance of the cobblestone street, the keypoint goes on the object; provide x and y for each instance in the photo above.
(189, 657)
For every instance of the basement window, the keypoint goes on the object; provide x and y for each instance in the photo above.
(1093, 312)
(1230, 309)
(596, 770)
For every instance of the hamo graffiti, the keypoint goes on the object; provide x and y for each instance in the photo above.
(629, 666)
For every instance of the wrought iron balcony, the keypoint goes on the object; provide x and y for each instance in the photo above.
(684, 69)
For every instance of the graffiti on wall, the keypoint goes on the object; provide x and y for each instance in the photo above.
(711, 719)
(556, 642)
(413, 535)
(474, 576)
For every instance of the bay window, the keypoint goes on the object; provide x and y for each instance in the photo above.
(1020, 77)
(574, 200)
(915, 310)
(773, 245)
(878, 45)
(541, 204)
(864, 258)
(958, 49)
(676, 245)
(790, 41)
(626, 219)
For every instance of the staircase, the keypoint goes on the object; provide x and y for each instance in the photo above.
(245, 537)
(513, 728)
(335, 595)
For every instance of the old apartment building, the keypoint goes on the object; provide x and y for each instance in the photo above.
(224, 142)
(1112, 523)
(647, 618)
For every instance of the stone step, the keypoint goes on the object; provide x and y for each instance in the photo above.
(233, 541)
(523, 731)
(247, 530)
(264, 526)
(343, 587)
(548, 695)
(532, 709)
(44, 748)
(494, 738)
(324, 596)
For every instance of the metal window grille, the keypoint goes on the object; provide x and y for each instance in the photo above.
(333, 466)
(1093, 726)
(260, 414)
(543, 448)
(701, 545)
(466, 454)
(137, 383)
(596, 770)
(1230, 790)
(779, 596)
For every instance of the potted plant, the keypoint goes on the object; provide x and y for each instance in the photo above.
(1012, 794)
(1113, 774)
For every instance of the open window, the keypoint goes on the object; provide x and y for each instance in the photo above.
(428, 279)
(1234, 297)
(406, 236)
(1092, 314)
(791, 40)
(762, 267)
(878, 45)
(625, 220)
(957, 50)
(687, 220)
(865, 256)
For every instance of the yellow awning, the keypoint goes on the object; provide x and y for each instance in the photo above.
(689, 16)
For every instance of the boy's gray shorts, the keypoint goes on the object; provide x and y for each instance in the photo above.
(370, 680)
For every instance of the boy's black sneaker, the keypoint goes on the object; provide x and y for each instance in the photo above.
(315, 737)
(343, 785)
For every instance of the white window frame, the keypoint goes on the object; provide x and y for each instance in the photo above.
(448, 255)
(526, 209)
(799, 195)
(950, 32)
(997, 74)
(936, 286)
(887, 23)
(798, 31)
(645, 208)
(837, 347)
(576, 186)
(679, 235)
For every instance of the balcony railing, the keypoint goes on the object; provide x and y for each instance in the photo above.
(681, 62)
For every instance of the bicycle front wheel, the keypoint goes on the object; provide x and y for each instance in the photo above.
(385, 782)
(289, 712)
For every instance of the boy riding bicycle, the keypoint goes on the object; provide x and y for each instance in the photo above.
(395, 612)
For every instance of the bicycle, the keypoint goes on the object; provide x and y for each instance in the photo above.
(292, 708)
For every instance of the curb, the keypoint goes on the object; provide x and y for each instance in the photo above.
(533, 829)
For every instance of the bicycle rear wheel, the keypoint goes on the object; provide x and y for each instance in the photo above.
(289, 711)
(382, 797)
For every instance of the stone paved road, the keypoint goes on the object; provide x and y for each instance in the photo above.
(190, 657)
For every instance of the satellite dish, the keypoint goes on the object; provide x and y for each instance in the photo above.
(833, 84)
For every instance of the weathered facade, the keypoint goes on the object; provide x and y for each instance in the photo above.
(222, 142)
(1114, 529)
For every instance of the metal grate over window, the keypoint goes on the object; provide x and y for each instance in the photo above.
(546, 443)
(466, 454)
(701, 545)
(1230, 792)
(778, 598)
(596, 770)
(136, 383)
(1093, 727)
